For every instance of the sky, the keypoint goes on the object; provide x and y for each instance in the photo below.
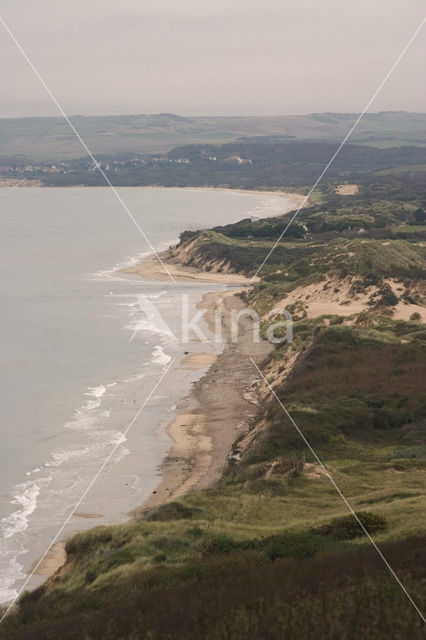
(204, 57)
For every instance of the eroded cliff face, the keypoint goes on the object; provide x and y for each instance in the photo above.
(199, 251)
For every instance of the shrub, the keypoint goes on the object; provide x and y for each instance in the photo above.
(170, 543)
(195, 532)
(387, 296)
(90, 576)
(171, 511)
(160, 557)
(348, 527)
(218, 545)
(299, 545)
(118, 557)
(31, 597)
(84, 541)
(295, 545)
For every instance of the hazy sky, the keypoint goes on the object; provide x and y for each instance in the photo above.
(220, 57)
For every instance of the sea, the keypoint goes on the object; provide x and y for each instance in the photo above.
(83, 347)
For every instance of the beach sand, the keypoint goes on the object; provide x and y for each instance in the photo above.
(297, 199)
(52, 561)
(222, 403)
(152, 269)
(198, 360)
(220, 407)
(211, 418)
(165, 264)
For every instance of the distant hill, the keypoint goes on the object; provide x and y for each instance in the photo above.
(51, 137)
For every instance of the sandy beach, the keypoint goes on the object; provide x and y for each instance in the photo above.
(222, 403)
(52, 561)
(297, 198)
(219, 409)
(152, 269)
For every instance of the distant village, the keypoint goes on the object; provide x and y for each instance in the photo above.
(18, 167)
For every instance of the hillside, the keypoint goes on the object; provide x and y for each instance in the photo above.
(270, 550)
(51, 137)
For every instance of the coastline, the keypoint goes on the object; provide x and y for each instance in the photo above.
(28, 182)
(221, 404)
(150, 268)
(297, 198)
(219, 408)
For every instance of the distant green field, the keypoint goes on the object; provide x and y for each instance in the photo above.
(408, 228)
(409, 168)
(52, 138)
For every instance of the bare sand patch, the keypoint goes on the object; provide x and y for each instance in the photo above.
(52, 561)
(342, 297)
(330, 296)
(403, 311)
(347, 189)
(198, 360)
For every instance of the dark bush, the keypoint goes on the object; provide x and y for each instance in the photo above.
(219, 545)
(172, 511)
(83, 542)
(195, 532)
(348, 527)
(387, 296)
(160, 557)
(296, 545)
(31, 597)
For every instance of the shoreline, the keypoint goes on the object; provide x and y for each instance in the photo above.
(208, 420)
(150, 268)
(221, 404)
(23, 183)
(219, 408)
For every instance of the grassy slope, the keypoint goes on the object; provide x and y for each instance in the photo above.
(247, 558)
(369, 431)
(44, 138)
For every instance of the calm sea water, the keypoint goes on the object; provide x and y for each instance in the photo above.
(71, 381)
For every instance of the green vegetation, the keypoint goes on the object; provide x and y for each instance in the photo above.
(243, 596)
(248, 163)
(52, 138)
(271, 551)
(348, 527)
(274, 526)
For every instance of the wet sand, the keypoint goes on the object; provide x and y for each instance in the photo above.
(218, 410)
